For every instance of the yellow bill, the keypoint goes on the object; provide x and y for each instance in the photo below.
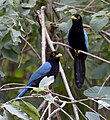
(59, 55)
(73, 17)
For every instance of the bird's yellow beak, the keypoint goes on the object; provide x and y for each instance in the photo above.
(73, 17)
(59, 55)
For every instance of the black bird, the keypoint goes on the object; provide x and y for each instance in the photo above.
(49, 68)
(78, 40)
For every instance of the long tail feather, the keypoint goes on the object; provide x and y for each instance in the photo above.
(79, 71)
(22, 92)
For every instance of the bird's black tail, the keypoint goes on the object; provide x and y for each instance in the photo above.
(79, 71)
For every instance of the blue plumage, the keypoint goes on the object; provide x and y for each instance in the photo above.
(40, 72)
(86, 39)
(49, 68)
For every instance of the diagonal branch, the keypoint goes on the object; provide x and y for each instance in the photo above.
(30, 46)
(99, 58)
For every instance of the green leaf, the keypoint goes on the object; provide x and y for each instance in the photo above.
(92, 116)
(1, 2)
(100, 13)
(46, 81)
(28, 108)
(99, 20)
(7, 115)
(2, 74)
(30, 21)
(1, 118)
(63, 27)
(97, 91)
(15, 35)
(101, 71)
(49, 98)
(59, 9)
(103, 103)
(15, 111)
(31, 4)
(10, 2)
(38, 89)
(9, 54)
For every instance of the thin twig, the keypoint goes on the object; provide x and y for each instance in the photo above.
(105, 2)
(87, 53)
(103, 84)
(104, 37)
(95, 56)
(22, 55)
(92, 110)
(56, 110)
(30, 47)
(64, 111)
(99, 103)
(60, 4)
(41, 105)
(45, 111)
(8, 84)
(82, 113)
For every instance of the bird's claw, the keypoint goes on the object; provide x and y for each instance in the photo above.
(77, 52)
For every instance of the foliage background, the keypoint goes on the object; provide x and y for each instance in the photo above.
(18, 20)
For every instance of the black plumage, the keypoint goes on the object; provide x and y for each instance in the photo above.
(78, 40)
(49, 68)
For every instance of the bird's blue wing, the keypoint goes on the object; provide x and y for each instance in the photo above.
(41, 71)
(86, 39)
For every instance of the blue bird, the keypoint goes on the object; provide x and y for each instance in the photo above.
(78, 40)
(49, 68)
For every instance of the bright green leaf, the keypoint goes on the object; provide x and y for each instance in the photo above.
(15, 111)
(92, 116)
(28, 108)
(38, 89)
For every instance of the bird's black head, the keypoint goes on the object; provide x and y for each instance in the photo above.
(54, 56)
(77, 20)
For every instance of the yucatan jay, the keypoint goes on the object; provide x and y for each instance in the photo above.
(49, 68)
(78, 40)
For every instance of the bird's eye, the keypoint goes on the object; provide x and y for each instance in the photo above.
(53, 54)
(78, 17)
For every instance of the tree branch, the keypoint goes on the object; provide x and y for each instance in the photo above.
(30, 47)
(43, 34)
(87, 53)
(63, 76)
